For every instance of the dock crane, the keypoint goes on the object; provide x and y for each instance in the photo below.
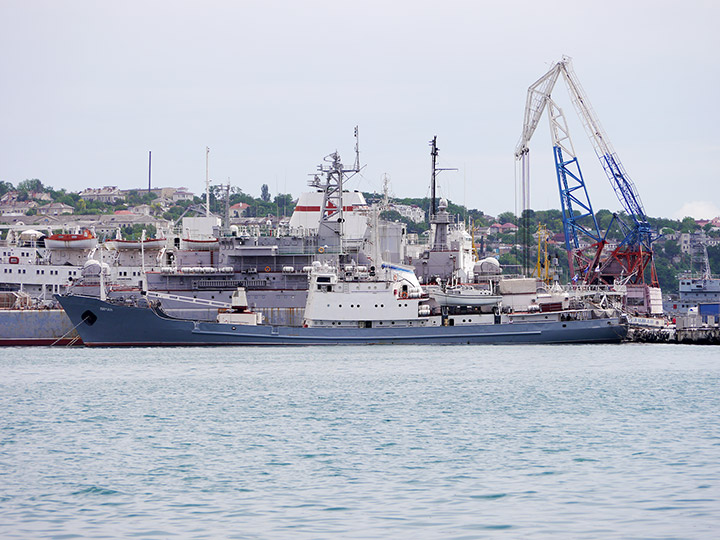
(584, 241)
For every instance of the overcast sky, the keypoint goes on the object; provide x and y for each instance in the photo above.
(87, 88)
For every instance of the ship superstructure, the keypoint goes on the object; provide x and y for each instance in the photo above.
(38, 264)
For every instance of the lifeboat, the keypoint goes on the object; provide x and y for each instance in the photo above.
(80, 240)
(206, 244)
(147, 244)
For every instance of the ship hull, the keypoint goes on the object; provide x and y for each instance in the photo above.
(36, 327)
(101, 324)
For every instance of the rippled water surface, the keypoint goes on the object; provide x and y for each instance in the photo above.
(368, 442)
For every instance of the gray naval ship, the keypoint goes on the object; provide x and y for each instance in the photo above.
(354, 304)
(329, 224)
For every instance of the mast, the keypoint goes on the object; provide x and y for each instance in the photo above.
(149, 172)
(331, 225)
(433, 176)
(433, 173)
(207, 181)
(357, 149)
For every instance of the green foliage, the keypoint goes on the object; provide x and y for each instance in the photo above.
(671, 248)
(714, 258)
(507, 217)
(688, 225)
(136, 198)
(5, 187)
(284, 204)
(31, 185)
(265, 193)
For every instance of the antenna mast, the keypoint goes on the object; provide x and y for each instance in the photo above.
(357, 149)
(433, 175)
(207, 181)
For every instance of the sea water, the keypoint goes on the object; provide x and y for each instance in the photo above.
(457, 442)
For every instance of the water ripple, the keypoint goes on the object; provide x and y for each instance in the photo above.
(452, 442)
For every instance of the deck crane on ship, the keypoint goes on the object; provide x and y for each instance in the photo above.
(628, 262)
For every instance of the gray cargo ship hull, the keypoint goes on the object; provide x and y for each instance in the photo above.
(108, 325)
(20, 327)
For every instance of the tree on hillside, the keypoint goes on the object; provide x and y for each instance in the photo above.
(31, 185)
(688, 225)
(265, 193)
(672, 249)
(284, 203)
(507, 217)
(5, 187)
